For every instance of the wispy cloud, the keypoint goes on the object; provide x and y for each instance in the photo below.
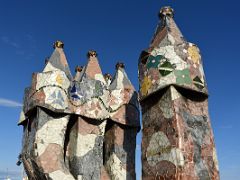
(9, 103)
(25, 46)
(10, 42)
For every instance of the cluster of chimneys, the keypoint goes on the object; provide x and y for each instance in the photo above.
(91, 53)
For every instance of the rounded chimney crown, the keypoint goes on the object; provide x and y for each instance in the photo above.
(120, 65)
(92, 53)
(166, 11)
(108, 76)
(58, 44)
(78, 69)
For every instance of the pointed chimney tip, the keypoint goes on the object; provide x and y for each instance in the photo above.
(92, 53)
(120, 65)
(166, 11)
(78, 69)
(107, 76)
(58, 44)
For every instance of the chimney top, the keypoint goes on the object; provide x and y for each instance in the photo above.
(58, 44)
(92, 53)
(120, 65)
(78, 68)
(166, 11)
(108, 76)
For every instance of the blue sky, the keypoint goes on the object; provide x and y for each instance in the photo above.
(119, 30)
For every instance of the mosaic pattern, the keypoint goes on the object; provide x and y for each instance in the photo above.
(67, 121)
(177, 139)
(119, 147)
(85, 149)
(90, 96)
(173, 61)
(43, 146)
(160, 149)
(85, 127)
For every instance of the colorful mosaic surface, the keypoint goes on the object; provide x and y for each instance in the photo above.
(79, 128)
(87, 94)
(85, 127)
(177, 142)
(170, 60)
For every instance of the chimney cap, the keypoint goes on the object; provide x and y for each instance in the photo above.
(166, 11)
(108, 76)
(92, 53)
(58, 44)
(120, 65)
(78, 69)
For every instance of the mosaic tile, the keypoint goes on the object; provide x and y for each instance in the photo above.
(183, 76)
(198, 82)
(147, 83)
(166, 68)
(154, 61)
(193, 52)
